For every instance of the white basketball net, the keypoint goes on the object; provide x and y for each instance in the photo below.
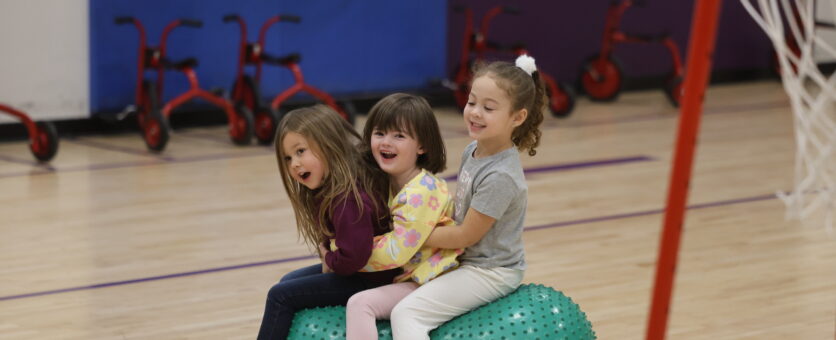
(812, 96)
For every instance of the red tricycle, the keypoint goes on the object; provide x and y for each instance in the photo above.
(246, 92)
(152, 119)
(43, 138)
(474, 46)
(602, 75)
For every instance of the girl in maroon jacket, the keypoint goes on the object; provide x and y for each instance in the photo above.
(334, 196)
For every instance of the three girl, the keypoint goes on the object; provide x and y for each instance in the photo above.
(335, 199)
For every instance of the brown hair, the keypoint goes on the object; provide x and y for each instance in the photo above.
(526, 92)
(413, 116)
(334, 141)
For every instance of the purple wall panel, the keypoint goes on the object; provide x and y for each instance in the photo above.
(561, 34)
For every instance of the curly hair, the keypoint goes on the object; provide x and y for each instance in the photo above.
(526, 92)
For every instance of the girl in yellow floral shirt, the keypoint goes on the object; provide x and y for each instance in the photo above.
(405, 142)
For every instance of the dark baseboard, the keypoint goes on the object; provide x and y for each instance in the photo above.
(827, 68)
(112, 122)
(719, 77)
(108, 122)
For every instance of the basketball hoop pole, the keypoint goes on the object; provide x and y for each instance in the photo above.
(700, 50)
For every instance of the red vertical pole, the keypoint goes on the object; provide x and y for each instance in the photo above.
(700, 49)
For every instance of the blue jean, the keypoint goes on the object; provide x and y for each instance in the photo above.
(306, 288)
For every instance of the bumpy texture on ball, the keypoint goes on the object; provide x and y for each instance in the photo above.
(530, 312)
(327, 323)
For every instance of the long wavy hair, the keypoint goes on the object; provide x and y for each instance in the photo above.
(336, 144)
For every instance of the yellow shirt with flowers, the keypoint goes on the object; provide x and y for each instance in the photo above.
(421, 205)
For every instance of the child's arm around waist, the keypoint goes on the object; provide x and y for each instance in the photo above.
(475, 226)
(491, 198)
(416, 211)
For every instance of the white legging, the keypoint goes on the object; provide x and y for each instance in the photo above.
(449, 296)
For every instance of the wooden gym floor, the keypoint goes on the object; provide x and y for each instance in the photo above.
(111, 242)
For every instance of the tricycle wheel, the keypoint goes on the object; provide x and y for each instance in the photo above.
(45, 144)
(266, 121)
(155, 130)
(673, 90)
(561, 100)
(601, 79)
(241, 130)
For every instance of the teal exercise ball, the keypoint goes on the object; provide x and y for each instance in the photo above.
(530, 312)
(327, 323)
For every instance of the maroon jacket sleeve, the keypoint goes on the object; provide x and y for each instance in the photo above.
(353, 234)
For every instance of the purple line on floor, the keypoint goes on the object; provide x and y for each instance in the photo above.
(650, 212)
(724, 109)
(572, 166)
(671, 114)
(37, 168)
(16, 160)
(630, 119)
(595, 219)
(299, 258)
(266, 151)
(605, 162)
(121, 149)
(749, 107)
(217, 157)
(106, 166)
(83, 168)
(205, 136)
(156, 278)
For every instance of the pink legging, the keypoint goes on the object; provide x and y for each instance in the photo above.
(365, 307)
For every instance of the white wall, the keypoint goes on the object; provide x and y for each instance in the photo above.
(44, 62)
(825, 13)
